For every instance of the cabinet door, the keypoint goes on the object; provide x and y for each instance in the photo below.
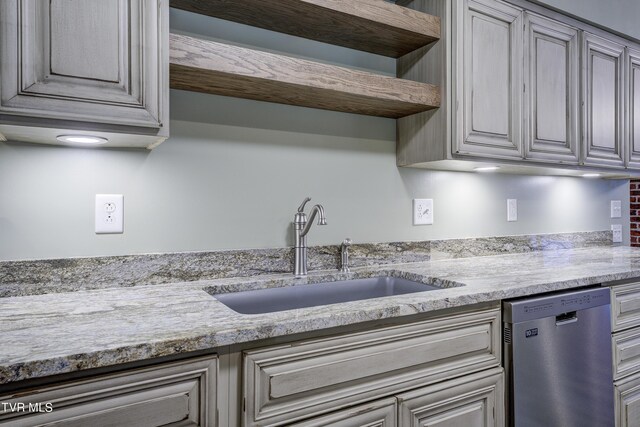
(176, 394)
(490, 72)
(90, 61)
(552, 78)
(627, 398)
(471, 401)
(633, 108)
(603, 97)
(381, 413)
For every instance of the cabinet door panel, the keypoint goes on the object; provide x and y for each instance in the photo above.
(89, 61)
(603, 102)
(178, 394)
(633, 93)
(471, 401)
(381, 413)
(492, 80)
(627, 398)
(551, 91)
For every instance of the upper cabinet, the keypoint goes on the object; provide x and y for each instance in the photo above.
(490, 114)
(632, 90)
(552, 91)
(603, 97)
(526, 90)
(89, 66)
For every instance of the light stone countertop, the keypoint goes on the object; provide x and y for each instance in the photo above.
(59, 333)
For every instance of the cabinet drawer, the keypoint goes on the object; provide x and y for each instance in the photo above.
(471, 401)
(625, 306)
(290, 382)
(626, 353)
(627, 397)
(181, 394)
(381, 413)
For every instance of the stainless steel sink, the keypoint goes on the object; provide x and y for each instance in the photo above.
(291, 297)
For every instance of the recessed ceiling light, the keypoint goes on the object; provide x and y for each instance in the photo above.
(82, 139)
(590, 175)
(486, 168)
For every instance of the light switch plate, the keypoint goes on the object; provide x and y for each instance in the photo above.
(512, 210)
(616, 209)
(617, 233)
(109, 213)
(422, 211)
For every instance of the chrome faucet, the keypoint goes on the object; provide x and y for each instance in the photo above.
(302, 227)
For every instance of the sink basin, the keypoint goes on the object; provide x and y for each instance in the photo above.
(291, 297)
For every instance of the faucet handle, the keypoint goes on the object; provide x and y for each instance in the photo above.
(347, 242)
(301, 208)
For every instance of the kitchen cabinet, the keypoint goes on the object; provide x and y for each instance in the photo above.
(527, 89)
(625, 324)
(181, 393)
(603, 95)
(627, 395)
(91, 66)
(632, 89)
(552, 91)
(305, 379)
(490, 114)
(474, 400)
(381, 413)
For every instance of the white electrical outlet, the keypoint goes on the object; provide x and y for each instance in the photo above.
(422, 211)
(617, 233)
(616, 209)
(109, 213)
(512, 210)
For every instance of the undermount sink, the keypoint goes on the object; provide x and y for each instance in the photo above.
(301, 296)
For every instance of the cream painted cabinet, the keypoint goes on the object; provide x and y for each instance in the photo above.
(633, 109)
(490, 115)
(90, 66)
(603, 75)
(552, 91)
(173, 394)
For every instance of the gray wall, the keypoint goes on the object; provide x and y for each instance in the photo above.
(234, 171)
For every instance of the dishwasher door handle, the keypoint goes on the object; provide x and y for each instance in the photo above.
(566, 318)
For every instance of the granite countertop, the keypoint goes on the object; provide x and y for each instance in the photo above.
(58, 333)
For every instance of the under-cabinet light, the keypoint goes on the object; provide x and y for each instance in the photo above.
(82, 139)
(590, 175)
(486, 168)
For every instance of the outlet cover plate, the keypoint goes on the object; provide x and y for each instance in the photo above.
(109, 213)
(616, 209)
(422, 211)
(617, 233)
(512, 210)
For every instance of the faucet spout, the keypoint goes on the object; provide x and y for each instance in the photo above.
(301, 227)
(322, 220)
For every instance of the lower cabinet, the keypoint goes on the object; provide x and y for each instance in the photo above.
(628, 402)
(172, 394)
(299, 381)
(381, 413)
(625, 325)
(470, 401)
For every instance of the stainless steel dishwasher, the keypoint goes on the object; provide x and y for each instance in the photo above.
(557, 355)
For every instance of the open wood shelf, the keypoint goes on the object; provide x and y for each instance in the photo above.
(373, 26)
(222, 69)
